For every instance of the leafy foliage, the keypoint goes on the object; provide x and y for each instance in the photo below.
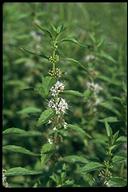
(65, 95)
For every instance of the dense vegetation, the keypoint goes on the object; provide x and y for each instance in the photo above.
(64, 95)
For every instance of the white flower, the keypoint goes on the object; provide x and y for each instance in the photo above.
(94, 86)
(57, 88)
(49, 122)
(51, 104)
(65, 125)
(89, 58)
(98, 101)
(59, 104)
(54, 128)
(50, 141)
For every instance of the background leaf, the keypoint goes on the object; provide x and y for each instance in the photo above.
(18, 149)
(20, 132)
(18, 171)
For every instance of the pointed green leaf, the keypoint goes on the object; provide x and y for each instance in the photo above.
(106, 56)
(47, 83)
(45, 117)
(13, 131)
(43, 29)
(117, 182)
(18, 171)
(75, 159)
(91, 166)
(70, 39)
(75, 61)
(18, 149)
(108, 129)
(109, 106)
(36, 54)
(79, 130)
(121, 139)
(118, 158)
(29, 110)
(87, 94)
(47, 148)
(72, 92)
(115, 136)
(109, 119)
(20, 132)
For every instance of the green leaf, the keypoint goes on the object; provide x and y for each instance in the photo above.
(92, 37)
(47, 83)
(106, 56)
(75, 159)
(45, 116)
(21, 133)
(17, 83)
(87, 94)
(43, 29)
(18, 149)
(53, 28)
(13, 131)
(69, 183)
(113, 147)
(109, 119)
(100, 42)
(44, 159)
(20, 61)
(71, 39)
(60, 28)
(79, 130)
(118, 158)
(36, 54)
(72, 92)
(75, 61)
(39, 90)
(91, 166)
(108, 129)
(47, 148)
(115, 136)
(29, 110)
(22, 37)
(121, 139)
(109, 106)
(117, 182)
(16, 171)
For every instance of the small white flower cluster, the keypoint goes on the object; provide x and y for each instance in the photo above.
(65, 125)
(50, 141)
(59, 105)
(94, 87)
(89, 58)
(54, 128)
(57, 88)
(4, 181)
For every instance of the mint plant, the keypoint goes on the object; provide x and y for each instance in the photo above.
(54, 167)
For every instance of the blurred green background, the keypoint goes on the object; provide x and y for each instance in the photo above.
(89, 23)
